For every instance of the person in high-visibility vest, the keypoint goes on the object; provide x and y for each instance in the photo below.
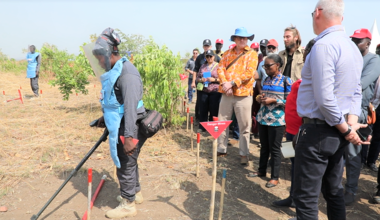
(33, 69)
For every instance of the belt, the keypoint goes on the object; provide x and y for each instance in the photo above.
(313, 121)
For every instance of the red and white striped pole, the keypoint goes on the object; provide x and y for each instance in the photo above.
(95, 195)
(89, 193)
(198, 143)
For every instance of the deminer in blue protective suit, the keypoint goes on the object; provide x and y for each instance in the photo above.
(33, 69)
(121, 100)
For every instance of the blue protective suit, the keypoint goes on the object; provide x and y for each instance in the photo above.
(32, 64)
(113, 111)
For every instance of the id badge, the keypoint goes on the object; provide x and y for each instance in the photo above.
(206, 85)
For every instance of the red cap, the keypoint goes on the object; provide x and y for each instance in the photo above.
(362, 33)
(231, 46)
(219, 41)
(272, 42)
(255, 45)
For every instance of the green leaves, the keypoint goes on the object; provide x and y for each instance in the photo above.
(159, 69)
(69, 72)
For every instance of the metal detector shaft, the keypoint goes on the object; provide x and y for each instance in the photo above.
(101, 139)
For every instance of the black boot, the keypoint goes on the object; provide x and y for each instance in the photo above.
(288, 202)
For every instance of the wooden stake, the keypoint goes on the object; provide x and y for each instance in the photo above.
(214, 165)
(214, 161)
(191, 134)
(5, 99)
(89, 193)
(198, 143)
(187, 119)
(222, 194)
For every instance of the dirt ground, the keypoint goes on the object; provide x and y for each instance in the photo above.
(43, 139)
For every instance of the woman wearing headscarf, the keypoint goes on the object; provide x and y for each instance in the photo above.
(207, 78)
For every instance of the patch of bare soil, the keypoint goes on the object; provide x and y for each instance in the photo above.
(45, 138)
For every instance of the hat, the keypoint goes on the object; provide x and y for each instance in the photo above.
(264, 42)
(242, 32)
(255, 45)
(272, 42)
(209, 53)
(219, 41)
(362, 33)
(231, 46)
(206, 42)
(378, 46)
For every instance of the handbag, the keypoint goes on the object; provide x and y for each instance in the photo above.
(200, 86)
(371, 118)
(151, 123)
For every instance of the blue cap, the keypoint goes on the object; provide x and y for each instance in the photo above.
(242, 32)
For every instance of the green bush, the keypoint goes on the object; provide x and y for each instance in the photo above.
(70, 73)
(159, 69)
(11, 65)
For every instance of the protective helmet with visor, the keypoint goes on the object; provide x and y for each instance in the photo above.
(99, 53)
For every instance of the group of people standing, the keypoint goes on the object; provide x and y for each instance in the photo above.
(317, 96)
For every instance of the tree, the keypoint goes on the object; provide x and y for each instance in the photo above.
(159, 69)
(131, 43)
(70, 72)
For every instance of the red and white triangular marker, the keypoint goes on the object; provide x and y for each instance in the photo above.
(216, 128)
(135, 141)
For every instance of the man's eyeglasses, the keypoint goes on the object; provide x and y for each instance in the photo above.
(267, 66)
(312, 14)
(271, 47)
(208, 56)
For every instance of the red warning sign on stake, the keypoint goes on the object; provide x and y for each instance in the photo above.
(135, 141)
(216, 128)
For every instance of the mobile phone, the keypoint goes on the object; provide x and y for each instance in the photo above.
(364, 133)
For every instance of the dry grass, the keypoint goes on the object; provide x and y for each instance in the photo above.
(37, 135)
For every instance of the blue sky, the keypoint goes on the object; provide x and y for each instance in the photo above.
(181, 25)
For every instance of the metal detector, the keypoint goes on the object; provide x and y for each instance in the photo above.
(101, 139)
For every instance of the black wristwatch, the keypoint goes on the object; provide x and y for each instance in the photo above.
(347, 132)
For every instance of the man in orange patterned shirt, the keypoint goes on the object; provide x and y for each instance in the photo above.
(236, 71)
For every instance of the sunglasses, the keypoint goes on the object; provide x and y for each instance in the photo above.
(312, 14)
(272, 47)
(267, 66)
(208, 56)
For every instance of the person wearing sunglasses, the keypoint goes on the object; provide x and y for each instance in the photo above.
(235, 71)
(208, 79)
(190, 69)
(271, 118)
(201, 59)
(293, 54)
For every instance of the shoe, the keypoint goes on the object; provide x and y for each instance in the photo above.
(126, 208)
(233, 142)
(256, 136)
(272, 183)
(373, 167)
(288, 202)
(257, 174)
(376, 198)
(362, 166)
(138, 198)
(244, 160)
(349, 198)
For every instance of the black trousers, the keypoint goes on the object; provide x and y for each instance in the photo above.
(34, 85)
(209, 106)
(270, 140)
(128, 174)
(319, 166)
(197, 105)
